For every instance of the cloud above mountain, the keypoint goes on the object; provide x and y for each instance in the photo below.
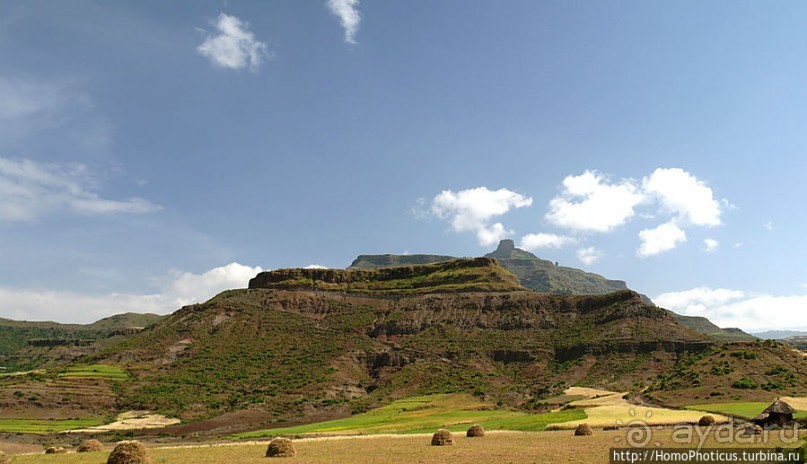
(177, 289)
(473, 210)
(752, 312)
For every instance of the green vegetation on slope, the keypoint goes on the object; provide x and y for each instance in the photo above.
(462, 275)
(39, 426)
(455, 412)
(29, 345)
(96, 371)
(742, 409)
(740, 371)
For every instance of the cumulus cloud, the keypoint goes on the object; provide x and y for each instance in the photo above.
(660, 239)
(31, 189)
(181, 288)
(711, 245)
(589, 255)
(531, 242)
(472, 210)
(234, 46)
(348, 15)
(315, 266)
(590, 202)
(683, 195)
(736, 308)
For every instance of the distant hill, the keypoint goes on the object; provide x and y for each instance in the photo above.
(547, 277)
(799, 341)
(705, 326)
(28, 345)
(779, 334)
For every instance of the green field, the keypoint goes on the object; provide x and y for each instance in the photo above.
(40, 426)
(96, 371)
(744, 410)
(422, 414)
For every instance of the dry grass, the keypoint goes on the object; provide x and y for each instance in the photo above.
(606, 408)
(496, 448)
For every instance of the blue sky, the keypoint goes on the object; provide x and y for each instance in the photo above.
(153, 153)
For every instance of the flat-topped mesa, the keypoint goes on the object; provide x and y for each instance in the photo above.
(461, 275)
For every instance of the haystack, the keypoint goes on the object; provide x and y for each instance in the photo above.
(89, 446)
(583, 430)
(475, 431)
(4, 458)
(706, 421)
(280, 448)
(129, 452)
(55, 450)
(442, 437)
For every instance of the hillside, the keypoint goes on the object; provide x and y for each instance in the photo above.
(312, 345)
(28, 345)
(547, 277)
(321, 343)
(706, 327)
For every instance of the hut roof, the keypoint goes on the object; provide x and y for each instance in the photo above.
(779, 407)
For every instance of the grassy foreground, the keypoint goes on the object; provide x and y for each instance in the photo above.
(495, 448)
(421, 414)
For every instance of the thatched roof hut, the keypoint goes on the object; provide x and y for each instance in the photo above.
(778, 413)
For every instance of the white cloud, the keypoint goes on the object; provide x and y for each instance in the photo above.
(589, 202)
(315, 266)
(683, 195)
(531, 242)
(589, 255)
(33, 109)
(768, 226)
(348, 15)
(735, 308)
(663, 238)
(182, 288)
(471, 210)
(31, 189)
(711, 245)
(234, 46)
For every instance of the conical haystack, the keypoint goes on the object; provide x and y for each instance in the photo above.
(280, 448)
(475, 431)
(129, 452)
(442, 438)
(88, 446)
(706, 421)
(583, 430)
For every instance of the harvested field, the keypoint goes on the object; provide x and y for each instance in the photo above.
(497, 447)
